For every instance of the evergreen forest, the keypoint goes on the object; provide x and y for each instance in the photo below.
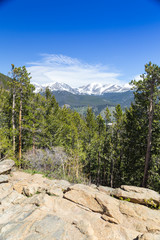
(59, 142)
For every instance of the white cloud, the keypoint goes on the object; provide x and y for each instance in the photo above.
(127, 85)
(137, 77)
(59, 68)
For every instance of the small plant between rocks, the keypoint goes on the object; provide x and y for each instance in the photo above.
(151, 204)
(125, 199)
(121, 198)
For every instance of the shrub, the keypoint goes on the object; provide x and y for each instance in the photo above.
(50, 162)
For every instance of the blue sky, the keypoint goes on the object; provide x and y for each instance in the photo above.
(80, 41)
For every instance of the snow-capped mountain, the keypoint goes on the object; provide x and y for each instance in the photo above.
(99, 89)
(54, 87)
(90, 89)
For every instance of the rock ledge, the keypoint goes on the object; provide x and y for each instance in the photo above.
(34, 207)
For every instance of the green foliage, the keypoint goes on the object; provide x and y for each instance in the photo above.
(98, 103)
(5, 144)
(125, 199)
(80, 100)
(118, 113)
(146, 112)
(107, 116)
(91, 148)
(151, 204)
(4, 81)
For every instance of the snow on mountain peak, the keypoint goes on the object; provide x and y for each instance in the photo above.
(90, 89)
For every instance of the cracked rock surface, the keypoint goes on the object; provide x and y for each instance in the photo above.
(34, 208)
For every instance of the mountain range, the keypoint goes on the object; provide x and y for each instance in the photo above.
(90, 89)
(95, 95)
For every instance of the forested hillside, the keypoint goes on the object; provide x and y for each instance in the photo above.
(98, 103)
(42, 136)
(4, 80)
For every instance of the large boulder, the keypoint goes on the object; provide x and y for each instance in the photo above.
(6, 166)
(29, 185)
(3, 179)
(85, 196)
(107, 190)
(137, 195)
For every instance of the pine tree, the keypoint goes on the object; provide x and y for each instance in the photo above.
(117, 147)
(5, 143)
(21, 91)
(107, 149)
(134, 136)
(90, 132)
(13, 85)
(146, 94)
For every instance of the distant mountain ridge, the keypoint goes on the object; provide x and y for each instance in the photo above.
(4, 80)
(90, 89)
(95, 95)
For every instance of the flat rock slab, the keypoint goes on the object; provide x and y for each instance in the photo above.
(3, 179)
(35, 208)
(83, 198)
(148, 236)
(137, 194)
(6, 166)
(107, 190)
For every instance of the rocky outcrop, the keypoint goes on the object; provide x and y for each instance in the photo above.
(3, 179)
(137, 195)
(6, 166)
(35, 208)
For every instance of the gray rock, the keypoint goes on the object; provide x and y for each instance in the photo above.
(12, 198)
(148, 236)
(56, 191)
(31, 189)
(63, 184)
(5, 190)
(3, 179)
(6, 166)
(32, 236)
(107, 190)
(137, 194)
(16, 213)
(49, 226)
(11, 231)
(81, 213)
